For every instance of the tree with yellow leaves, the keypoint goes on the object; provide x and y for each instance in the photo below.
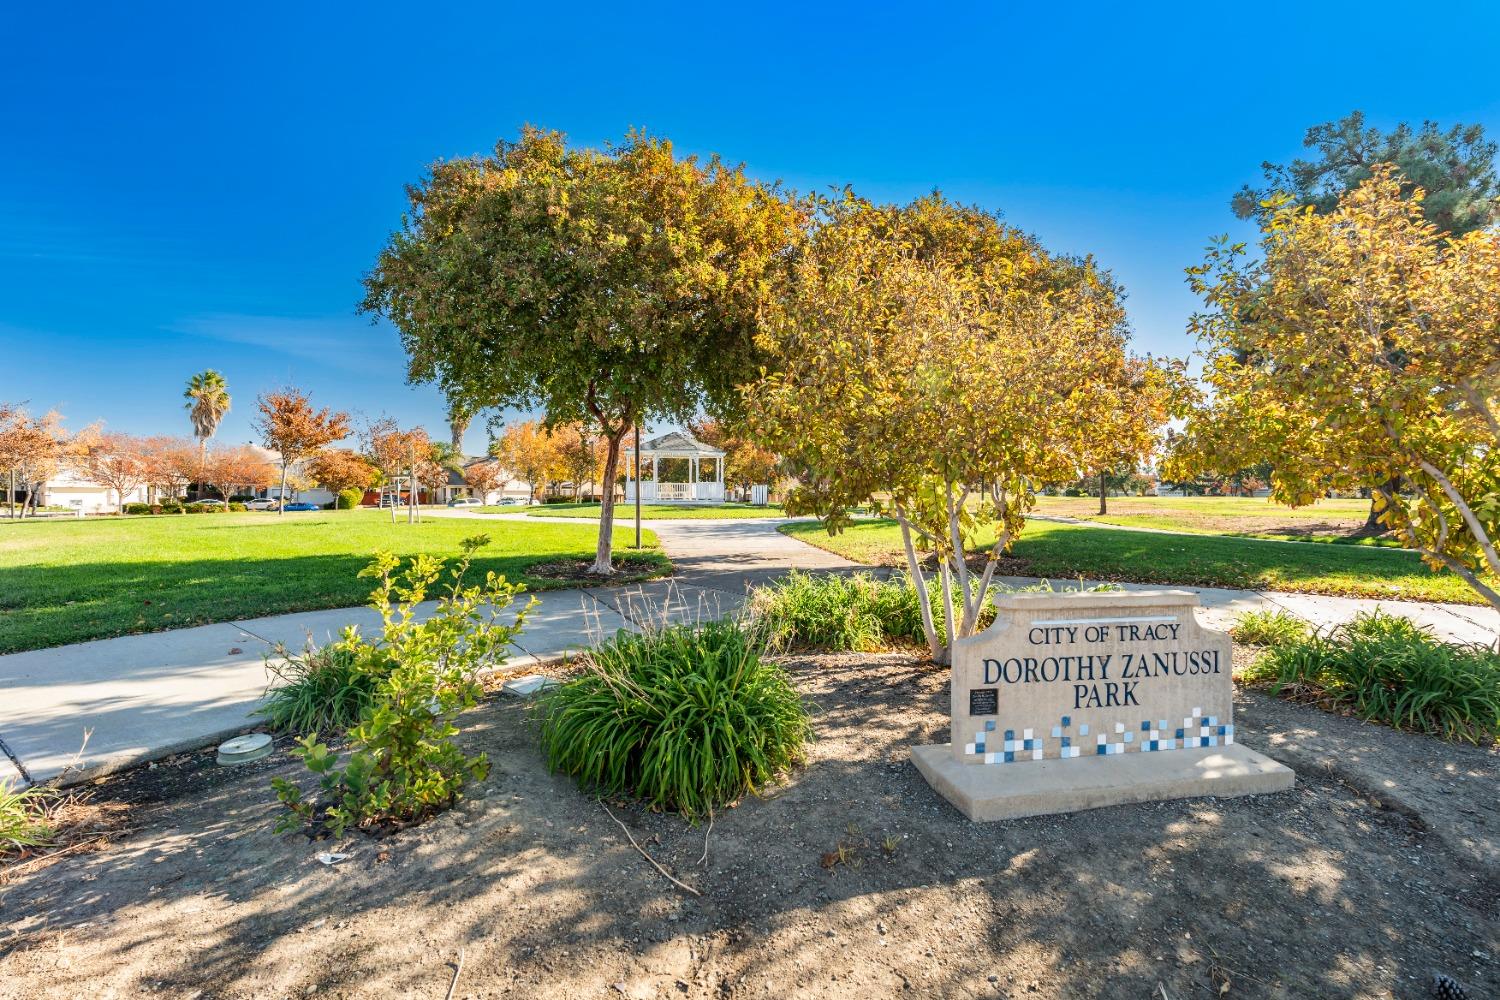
(928, 353)
(1362, 347)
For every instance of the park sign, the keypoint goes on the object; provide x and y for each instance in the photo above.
(1084, 699)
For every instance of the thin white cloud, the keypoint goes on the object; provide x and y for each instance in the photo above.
(347, 343)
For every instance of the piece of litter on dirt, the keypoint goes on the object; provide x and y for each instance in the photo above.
(235, 651)
(528, 686)
(329, 858)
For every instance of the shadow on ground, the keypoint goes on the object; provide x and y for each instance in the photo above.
(1329, 890)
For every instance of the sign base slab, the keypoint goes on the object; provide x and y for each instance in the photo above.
(1041, 788)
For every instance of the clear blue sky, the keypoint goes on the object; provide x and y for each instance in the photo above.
(202, 185)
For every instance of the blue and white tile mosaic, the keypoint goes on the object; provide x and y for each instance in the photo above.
(1197, 730)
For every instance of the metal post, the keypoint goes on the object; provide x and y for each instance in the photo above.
(637, 486)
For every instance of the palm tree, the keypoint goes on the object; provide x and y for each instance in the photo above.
(459, 419)
(207, 398)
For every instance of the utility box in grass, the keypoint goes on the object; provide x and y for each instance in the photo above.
(1078, 700)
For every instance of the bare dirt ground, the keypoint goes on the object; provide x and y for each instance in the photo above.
(853, 879)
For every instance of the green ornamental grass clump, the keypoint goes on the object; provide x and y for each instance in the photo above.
(1385, 668)
(1268, 628)
(859, 613)
(320, 690)
(685, 717)
(24, 821)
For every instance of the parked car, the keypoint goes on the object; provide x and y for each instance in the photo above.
(466, 502)
(510, 502)
(209, 503)
(301, 505)
(262, 504)
(392, 500)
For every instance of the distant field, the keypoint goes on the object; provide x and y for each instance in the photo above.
(1325, 521)
(1061, 551)
(649, 511)
(63, 582)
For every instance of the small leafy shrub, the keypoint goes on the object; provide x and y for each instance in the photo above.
(348, 499)
(686, 718)
(138, 508)
(1387, 669)
(24, 818)
(320, 690)
(236, 507)
(1268, 628)
(403, 764)
(168, 507)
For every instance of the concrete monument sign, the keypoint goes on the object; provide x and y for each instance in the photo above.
(1076, 700)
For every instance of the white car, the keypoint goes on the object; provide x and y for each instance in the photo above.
(466, 502)
(266, 504)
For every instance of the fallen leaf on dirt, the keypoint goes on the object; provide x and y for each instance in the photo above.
(234, 650)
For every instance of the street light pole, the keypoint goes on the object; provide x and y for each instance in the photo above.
(637, 485)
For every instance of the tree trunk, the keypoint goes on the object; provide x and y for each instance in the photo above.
(604, 554)
(1372, 520)
(203, 465)
(1103, 494)
(281, 498)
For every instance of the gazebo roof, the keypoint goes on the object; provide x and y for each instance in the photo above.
(677, 444)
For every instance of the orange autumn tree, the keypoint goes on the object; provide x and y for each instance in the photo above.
(290, 426)
(32, 450)
(117, 461)
(239, 465)
(340, 469)
(746, 463)
(529, 453)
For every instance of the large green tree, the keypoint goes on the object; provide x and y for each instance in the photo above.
(611, 286)
(1455, 167)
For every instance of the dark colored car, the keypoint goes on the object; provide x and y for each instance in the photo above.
(301, 505)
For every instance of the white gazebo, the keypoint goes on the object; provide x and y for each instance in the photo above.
(675, 444)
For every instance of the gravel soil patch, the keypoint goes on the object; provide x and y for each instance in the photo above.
(852, 879)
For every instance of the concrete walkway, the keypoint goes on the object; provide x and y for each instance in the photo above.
(142, 697)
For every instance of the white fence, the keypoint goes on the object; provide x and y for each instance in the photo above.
(675, 492)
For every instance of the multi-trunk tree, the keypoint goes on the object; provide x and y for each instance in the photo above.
(1363, 346)
(933, 357)
(404, 456)
(612, 286)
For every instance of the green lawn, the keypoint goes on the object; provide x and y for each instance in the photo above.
(1060, 552)
(63, 582)
(1335, 521)
(650, 511)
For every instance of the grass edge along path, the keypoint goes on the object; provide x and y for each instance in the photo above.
(62, 583)
(1061, 551)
